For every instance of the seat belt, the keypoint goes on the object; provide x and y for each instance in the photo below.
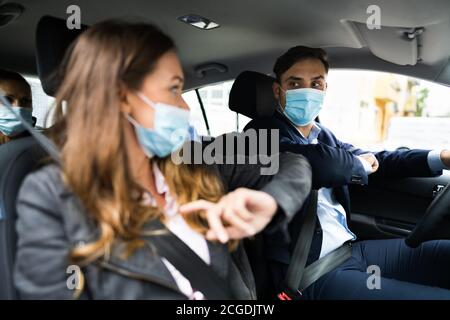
(325, 264)
(201, 275)
(43, 141)
(299, 257)
(299, 277)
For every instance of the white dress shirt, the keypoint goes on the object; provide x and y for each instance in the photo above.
(178, 226)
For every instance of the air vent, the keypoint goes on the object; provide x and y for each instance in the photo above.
(9, 12)
(198, 21)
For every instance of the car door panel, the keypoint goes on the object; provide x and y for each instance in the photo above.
(392, 208)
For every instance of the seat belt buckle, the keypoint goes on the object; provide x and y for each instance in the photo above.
(290, 295)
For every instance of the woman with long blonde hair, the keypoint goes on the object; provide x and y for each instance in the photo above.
(85, 227)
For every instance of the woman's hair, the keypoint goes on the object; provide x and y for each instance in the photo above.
(105, 59)
(4, 138)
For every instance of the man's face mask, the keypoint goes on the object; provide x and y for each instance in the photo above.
(170, 132)
(303, 105)
(11, 126)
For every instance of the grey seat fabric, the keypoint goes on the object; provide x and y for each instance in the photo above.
(17, 159)
(52, 40)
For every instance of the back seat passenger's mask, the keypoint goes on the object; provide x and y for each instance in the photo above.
(171, 129)
(9, 124)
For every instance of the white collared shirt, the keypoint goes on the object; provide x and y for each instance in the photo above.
(330, 212)
(178, 226)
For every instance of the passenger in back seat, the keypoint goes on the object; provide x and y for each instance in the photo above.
(18, 91)
(85, 226)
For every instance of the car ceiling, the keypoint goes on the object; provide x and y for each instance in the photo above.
(254, 32)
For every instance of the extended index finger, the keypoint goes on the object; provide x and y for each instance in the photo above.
(195, 206)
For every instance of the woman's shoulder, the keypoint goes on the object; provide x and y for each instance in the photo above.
(48, 175)
(43, 186)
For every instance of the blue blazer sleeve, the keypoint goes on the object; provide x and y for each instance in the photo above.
(331, 167)
(396, 164)
(402, 164)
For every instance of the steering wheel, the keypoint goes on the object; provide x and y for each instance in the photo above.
(435, 224)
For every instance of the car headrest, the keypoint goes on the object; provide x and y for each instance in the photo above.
(53, 37)
(252, 95)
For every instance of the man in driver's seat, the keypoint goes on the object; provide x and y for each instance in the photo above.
(406, 273)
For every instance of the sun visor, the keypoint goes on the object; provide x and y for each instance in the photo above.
(397, 45)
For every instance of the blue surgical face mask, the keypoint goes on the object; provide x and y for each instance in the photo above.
(9, 124)
(171, 129)
(303, 105)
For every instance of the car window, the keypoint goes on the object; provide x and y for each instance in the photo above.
(378, 110)
(215, 100)
(196, 117)
(42, 103)
(214, 97)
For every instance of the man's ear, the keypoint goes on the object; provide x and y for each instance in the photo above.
(276, 90)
